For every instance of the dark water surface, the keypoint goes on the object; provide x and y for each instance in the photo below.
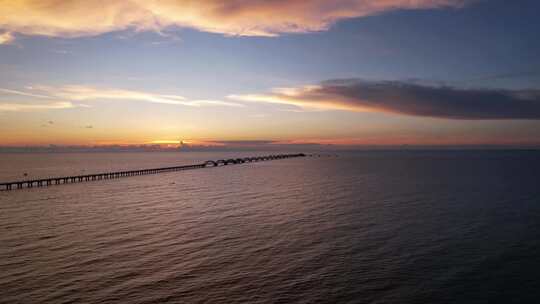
(367, 227)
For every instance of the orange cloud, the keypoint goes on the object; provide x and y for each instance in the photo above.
(6, 38)
(75, 18)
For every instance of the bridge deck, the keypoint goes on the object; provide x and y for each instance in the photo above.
(112, 175)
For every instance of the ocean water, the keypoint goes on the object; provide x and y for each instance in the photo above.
(364, 227)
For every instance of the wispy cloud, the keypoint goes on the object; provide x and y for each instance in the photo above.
(37, 102)
(82, 93)
(407, 99)
(6, 38)
(234, 17)
(22, 93)
(89, 93)
(24, 107)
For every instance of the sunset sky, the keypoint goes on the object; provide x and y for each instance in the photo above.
(344, 72)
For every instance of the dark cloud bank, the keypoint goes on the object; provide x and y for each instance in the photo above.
(430, 101)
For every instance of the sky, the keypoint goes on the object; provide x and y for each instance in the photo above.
(344, 72)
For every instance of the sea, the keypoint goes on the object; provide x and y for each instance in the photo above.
(348, 227)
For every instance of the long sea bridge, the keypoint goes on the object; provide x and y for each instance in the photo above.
(118, 174)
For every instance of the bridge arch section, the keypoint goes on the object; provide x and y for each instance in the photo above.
(210, 163)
